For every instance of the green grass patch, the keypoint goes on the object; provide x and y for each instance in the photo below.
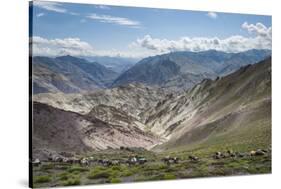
(64, 176)
(127, 173)
(42, 179)
(155, 166)
(77, 169)
(98, 174)
(116, 168)
(48, 166)
(115, 180)
(169, 176)
(71, 181)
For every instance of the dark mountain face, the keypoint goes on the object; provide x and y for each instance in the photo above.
(165, 69)
(69, 74)
(184, 69)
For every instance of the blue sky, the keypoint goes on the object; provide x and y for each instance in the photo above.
(85, 29)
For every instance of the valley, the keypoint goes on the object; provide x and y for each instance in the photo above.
(163, 106)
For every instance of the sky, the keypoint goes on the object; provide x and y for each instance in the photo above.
(99, 30)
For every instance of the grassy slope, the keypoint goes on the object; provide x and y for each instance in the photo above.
(61, 174)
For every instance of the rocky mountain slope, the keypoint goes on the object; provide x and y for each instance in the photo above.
(133, 99)
(112, 115)
(225, 109)
(69, 74)
(181, 70)
(56, 130)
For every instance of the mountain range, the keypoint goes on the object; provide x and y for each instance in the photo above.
(116, 64)
(182, 70)
(69, 74)
(176, 71)
(227, 107)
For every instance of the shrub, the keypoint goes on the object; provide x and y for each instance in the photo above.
(42, 179)
(63, 176)
(99, 168)
(157, 166)
(126, 173)
(169, 176)
(71, 181)
(77, 169)
(98, 174)
(47, 166)
(117, 168)
(115, 180)
(62, 167)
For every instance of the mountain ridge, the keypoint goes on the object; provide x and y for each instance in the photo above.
(195, 66)
(219, 108)
(68, 74)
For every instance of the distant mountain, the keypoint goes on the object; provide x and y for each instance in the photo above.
(233, 63)
(69, 74)
(176, 71)
(184, 69)
(116, 64)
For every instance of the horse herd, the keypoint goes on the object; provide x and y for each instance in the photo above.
(231, 154)
(87, 161)
(138, 160)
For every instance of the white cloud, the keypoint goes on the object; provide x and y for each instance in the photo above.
(104, 7)
(212, 15)
(50, 6)
(75, 47)
(56, 47)
(258, 29)
(114, 20)
(40, 14)
(260, 39)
